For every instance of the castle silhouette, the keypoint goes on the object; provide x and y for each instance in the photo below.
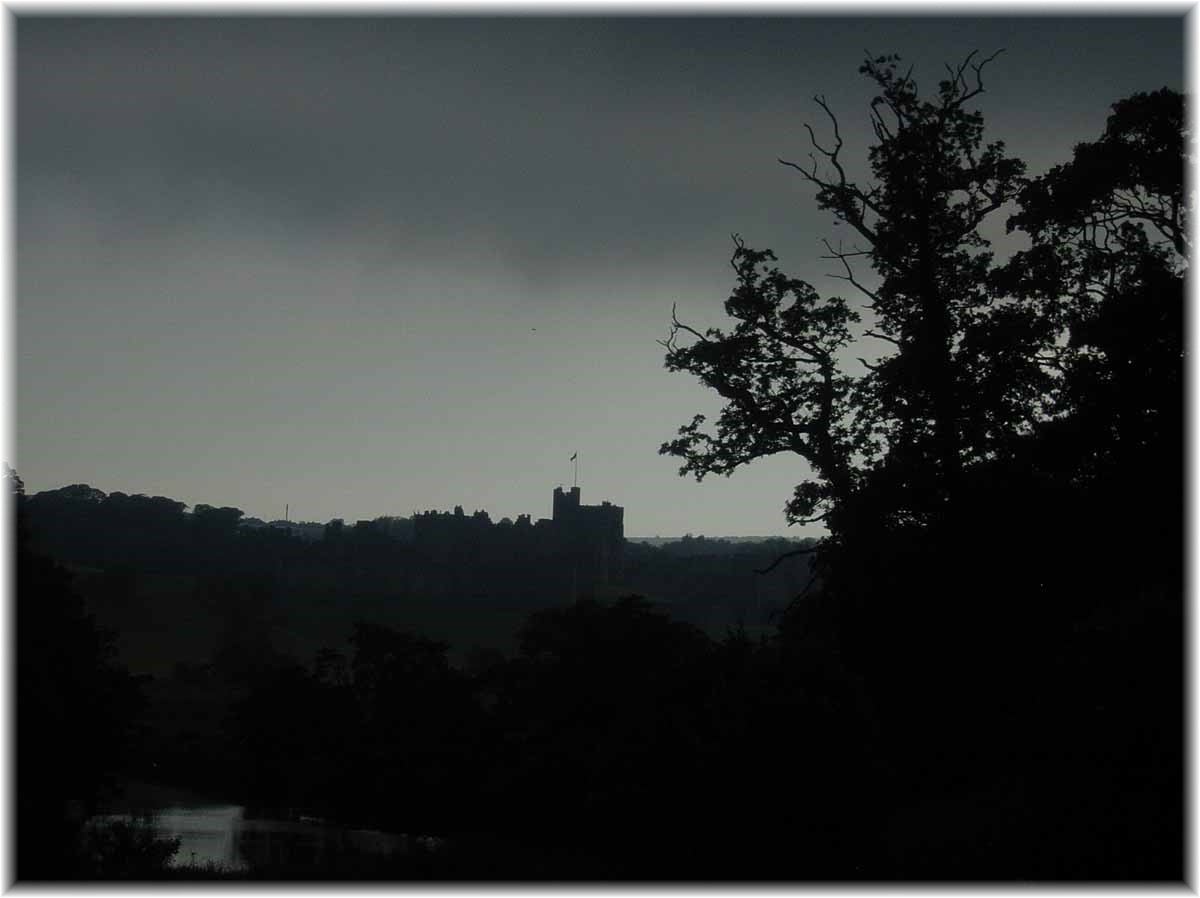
(589, 540)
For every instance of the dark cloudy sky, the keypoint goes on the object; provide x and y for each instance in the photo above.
(265, 261)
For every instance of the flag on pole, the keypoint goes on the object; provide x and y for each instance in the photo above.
(574, 456)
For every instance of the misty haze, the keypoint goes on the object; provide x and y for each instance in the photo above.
(599, 449)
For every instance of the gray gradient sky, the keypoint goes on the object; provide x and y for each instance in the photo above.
(264, 261)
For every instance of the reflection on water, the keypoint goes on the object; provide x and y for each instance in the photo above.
(206, 835)
(222, 836)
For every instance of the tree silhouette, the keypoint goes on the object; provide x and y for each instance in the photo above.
(977, 471)
(779, 373)
(75, 709)
(1105, 271)
(906, 427)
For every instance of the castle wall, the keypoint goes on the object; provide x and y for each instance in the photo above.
(588, 540)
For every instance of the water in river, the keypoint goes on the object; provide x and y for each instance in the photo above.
(223, 836)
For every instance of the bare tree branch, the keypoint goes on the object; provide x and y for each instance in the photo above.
(850, 202)
(879, 336)
(679, 325)
(849, 275)
(807, 550)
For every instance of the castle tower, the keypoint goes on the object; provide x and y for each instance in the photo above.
(592, 535)
(566, 504)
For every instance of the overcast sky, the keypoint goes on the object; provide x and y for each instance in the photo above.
(302, 261)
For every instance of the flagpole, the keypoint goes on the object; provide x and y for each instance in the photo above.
(575, 459)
